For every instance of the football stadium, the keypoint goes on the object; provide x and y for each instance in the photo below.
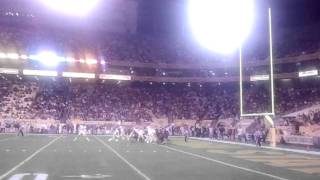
(159, 89)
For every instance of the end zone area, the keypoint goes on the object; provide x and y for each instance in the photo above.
(93, 157)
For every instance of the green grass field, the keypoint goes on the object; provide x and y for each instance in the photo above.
(36, 157)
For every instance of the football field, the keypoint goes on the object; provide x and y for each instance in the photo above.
(59, 157)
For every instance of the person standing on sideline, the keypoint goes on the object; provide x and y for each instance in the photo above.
(258, 137)
(186, 134)
(20, 130)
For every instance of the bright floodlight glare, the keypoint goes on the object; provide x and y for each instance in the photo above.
(48, 58)
(72, 7)
(221, 25)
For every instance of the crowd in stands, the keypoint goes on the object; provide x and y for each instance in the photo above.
(141, 102)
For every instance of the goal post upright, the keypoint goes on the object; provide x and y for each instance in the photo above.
(266, 115)
(271, 61)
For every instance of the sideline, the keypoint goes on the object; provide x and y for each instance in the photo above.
(224, 163)
(264, 147)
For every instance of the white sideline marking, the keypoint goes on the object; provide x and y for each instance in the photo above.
(28, 158)
(224, 163)
(252, 145)
(123, 159)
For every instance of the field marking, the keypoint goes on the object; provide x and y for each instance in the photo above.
(224, 163)
(76, 138)
(97, 176)
(264, 147)
(123, 159)
(6, 139)
(28, 158)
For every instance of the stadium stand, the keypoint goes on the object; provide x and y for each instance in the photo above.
(61, 100)
(58, 99)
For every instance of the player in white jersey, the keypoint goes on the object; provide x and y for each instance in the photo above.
(151, 135)
(115, 135)
(82, 130)
(139, 133)
(122, 133)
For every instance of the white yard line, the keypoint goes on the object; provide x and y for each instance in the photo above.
(123, 159)
(225, 163)
(28, 158)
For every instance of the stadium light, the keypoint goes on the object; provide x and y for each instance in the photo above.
(9, 71)
(70, 59)
(308, 73)
(23, 56)
(71, 7)
(260, 78)
(48, 58)
(39, 73)
(13, 56)
(91, 61)
(221, 25)
(78, 75)
(115, 77)
(3, 55)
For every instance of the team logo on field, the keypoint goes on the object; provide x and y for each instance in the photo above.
(37, 176)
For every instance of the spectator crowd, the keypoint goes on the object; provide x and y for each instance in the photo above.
(142, 102)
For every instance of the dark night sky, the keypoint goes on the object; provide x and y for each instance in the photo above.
(293, 13)
(169, 16)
